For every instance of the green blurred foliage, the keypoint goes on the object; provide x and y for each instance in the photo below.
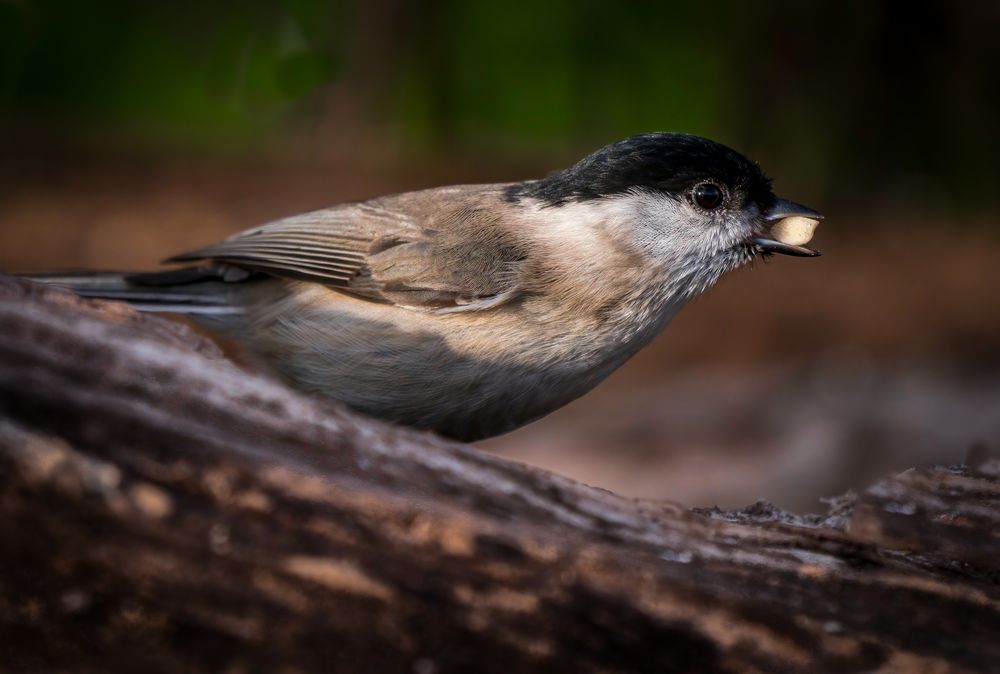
(558, 71)
(853, 97)
(213, 70)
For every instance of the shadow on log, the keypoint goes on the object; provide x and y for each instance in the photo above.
(163, 510)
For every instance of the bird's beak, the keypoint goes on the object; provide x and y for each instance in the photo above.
(789, 226)
(783, 208)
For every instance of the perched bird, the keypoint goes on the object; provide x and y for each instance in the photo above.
(475, 309)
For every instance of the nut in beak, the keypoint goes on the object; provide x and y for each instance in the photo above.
(793, 226)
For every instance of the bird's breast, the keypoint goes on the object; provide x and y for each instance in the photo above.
(467, 375)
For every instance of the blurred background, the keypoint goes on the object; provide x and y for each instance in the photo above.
(131, 130)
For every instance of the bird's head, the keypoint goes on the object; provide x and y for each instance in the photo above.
(688, 203)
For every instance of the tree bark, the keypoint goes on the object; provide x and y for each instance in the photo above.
(164, 510)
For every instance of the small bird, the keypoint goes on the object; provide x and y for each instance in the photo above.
(472, 310)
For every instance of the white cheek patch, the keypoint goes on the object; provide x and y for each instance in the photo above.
(795, 230)
(579, 230)
(668, 231)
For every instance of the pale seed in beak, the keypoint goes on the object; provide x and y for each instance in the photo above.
(794, 230)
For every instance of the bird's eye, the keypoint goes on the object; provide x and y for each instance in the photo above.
(708, 196)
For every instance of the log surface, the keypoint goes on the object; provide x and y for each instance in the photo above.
(164, 510)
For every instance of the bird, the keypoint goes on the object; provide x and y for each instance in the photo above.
(472, 310)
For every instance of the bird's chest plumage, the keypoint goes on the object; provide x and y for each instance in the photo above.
(465, 375)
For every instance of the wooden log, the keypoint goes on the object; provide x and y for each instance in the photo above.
(164, 510)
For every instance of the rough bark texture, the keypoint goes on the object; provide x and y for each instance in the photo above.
(162, 510)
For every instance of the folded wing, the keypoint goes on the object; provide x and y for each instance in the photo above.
(381, 254)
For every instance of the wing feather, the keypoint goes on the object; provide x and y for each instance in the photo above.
(328, 246)
(394, 255)
(280, 254)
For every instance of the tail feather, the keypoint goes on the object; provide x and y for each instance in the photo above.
(191, 291)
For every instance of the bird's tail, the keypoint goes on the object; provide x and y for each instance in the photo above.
(193, 291)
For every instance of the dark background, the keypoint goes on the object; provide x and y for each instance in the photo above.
(132, 130)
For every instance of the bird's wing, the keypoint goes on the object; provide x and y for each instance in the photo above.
(327, 246)
(384, 254)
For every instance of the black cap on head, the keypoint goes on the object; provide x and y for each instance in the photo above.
(662, 162)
